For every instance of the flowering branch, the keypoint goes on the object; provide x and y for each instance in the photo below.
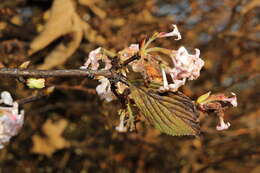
(140, 79)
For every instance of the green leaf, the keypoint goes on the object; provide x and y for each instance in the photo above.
(171, 113)
(203, 97)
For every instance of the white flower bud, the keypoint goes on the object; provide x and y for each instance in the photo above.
(6, 98)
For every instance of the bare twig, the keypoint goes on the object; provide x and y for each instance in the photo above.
(31, 98)
(14, 72)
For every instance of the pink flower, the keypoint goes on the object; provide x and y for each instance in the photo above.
(129, 51)
(214, 102)
(93, 60)
(137, 66)
(172, 87)
(232, 100)
(104, 90)
(185, 66)
(11, 120)
(175, 32)
(222, 125)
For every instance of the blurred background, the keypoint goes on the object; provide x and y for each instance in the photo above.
(74, 131)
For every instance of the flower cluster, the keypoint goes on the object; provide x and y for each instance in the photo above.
(170, 76)
(185, 66)
(93, 60)
(215, 102)
(103, 89)
(11, 120)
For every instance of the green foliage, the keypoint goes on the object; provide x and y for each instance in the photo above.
(203, 98)
(171, 113)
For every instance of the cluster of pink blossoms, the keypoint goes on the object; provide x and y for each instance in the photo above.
(11, 120)
(103, 89)
(184, 67)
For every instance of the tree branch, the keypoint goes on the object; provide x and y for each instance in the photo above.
(15, 72)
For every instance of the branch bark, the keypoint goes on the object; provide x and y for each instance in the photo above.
(15, 72)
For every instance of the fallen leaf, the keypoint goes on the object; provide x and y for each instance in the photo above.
(53, 140)
(63, 20)
(91, 4)
(250, 5)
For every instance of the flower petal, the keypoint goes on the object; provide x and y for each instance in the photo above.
(6, 98)
(93, 60)
(222, 125)
(175, 32)
(104, 90)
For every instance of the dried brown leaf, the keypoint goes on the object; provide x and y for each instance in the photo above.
(250, 5)
(91, 4)
(63, 20)
(54, 140)
(60, 23)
